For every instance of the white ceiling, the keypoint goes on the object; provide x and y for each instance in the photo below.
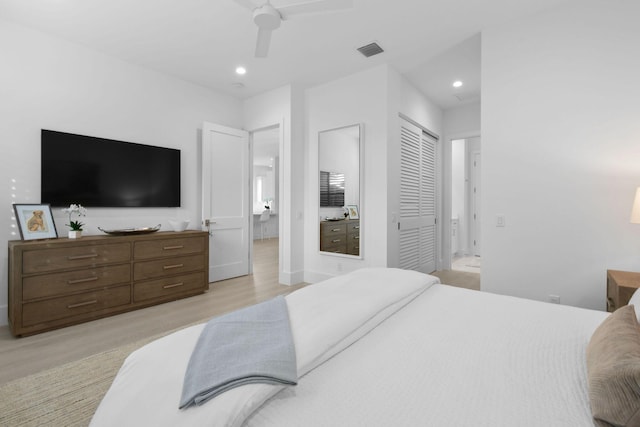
(202, 41)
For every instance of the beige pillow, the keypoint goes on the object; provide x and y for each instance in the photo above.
(635, 301)
(613, 368)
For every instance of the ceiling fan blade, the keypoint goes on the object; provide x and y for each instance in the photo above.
(262, 44)
(314, 7)
(246, 4)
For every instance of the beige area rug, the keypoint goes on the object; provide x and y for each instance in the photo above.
(67, 395)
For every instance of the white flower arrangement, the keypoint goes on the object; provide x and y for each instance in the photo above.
(77, 209)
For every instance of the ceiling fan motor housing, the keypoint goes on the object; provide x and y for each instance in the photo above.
(267, 17)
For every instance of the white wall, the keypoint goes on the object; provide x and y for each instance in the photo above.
(461, 121)
(359, 98)
(561, 151)
(49, 83)
(375, 97)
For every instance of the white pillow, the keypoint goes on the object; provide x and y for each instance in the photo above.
(635, 302)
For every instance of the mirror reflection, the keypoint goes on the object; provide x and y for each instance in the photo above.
(331, 189)
(339, 190)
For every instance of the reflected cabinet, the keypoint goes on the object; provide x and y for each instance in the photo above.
(340, 237)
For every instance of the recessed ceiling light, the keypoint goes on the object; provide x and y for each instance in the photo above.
(457, 83)
(241, 71)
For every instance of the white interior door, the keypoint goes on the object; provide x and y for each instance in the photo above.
(226, 200)
(417, 199)
(476, 203)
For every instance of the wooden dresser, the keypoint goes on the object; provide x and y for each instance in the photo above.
(60, 282)
(341, 237)
(620, 286)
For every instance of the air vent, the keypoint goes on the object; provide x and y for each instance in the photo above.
(370, 49)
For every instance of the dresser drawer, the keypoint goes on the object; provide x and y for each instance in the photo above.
(353, 248)
(169, 247)
(353, 227)
(163, 288)
(353, 244)
(58, 284)
(331, 228)
(63, 258)
(337, 245)
(169, 266)
(74, 305)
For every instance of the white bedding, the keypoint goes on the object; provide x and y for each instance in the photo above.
(447, 357)
(325, 319)
(452, 357)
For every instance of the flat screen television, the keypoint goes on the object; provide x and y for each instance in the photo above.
(99, 172)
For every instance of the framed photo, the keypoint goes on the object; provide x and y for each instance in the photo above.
(35, 221)
(353, 211)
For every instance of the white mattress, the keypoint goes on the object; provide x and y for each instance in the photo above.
(451, 357)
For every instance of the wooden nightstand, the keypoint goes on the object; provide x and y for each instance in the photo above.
(620, 286)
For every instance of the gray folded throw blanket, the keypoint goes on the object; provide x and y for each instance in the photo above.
(250, 345)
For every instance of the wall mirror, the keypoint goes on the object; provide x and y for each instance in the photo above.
(339, 192)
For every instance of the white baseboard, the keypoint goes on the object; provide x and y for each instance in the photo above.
(291, 278)
(4, 315)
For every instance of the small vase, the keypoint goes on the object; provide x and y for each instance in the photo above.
(75, 234)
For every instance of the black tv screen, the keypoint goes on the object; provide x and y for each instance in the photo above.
(99, 172)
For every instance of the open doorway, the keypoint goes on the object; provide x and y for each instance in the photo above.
(265, 201)
(465, 205)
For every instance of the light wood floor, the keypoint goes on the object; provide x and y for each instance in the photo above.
(24, 356)
(28, 355)
(461, 279)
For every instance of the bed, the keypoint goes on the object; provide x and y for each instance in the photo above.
(380, 347)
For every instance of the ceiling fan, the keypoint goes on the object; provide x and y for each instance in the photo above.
(268, 17)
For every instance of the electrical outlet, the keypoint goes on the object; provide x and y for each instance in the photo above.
(500, 221)
(554, 298)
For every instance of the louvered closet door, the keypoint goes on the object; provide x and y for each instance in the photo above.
(417, 199)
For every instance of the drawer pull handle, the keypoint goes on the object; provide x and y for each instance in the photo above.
(335, 229)
(76, 257)
(88, 279)
(356, 237)
(175, 285)
(335, 240)
(357, 227)
(168, 248)
(169, 267)
(82, 304)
